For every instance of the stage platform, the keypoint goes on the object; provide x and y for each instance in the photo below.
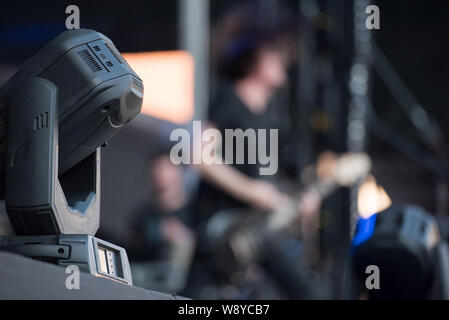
(24, 278)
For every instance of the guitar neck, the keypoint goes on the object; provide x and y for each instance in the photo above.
(345, 171)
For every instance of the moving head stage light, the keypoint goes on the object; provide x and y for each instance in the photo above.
(55, 114)
(404, 243)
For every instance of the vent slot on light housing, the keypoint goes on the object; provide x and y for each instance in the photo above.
(89, 60)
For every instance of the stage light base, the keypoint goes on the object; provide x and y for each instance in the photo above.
(90, 254)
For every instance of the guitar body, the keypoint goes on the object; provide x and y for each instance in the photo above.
(230, 264)
(239, 244)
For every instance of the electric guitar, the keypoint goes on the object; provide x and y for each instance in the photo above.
(245, 233)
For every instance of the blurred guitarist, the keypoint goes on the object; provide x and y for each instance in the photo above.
(253, 69)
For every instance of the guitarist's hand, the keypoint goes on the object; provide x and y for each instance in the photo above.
(265, 196)
(310, 203)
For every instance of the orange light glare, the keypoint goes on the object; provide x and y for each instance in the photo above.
(168, 79)
(371, 198)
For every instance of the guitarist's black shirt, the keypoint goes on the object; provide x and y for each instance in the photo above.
(227, 111)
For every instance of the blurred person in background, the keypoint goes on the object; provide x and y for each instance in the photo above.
(251, 64)
(165, 221)
(162, 228)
